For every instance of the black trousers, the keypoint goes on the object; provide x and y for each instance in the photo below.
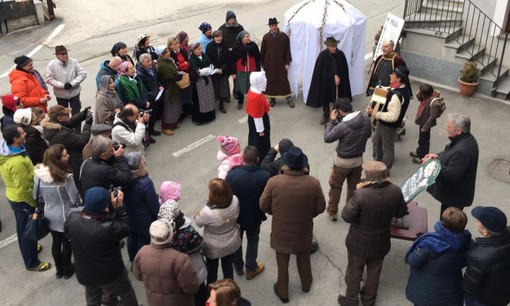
(423, 143)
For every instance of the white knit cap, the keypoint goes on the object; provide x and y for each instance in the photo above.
(161, 232)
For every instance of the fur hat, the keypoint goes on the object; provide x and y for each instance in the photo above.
(161, 232)
(96, 200)
(60, 49)
(492, 218)
(10, 102)
(295, 158)
(228, 144)
(374, 170)
(169, 191)
(57, 110)
(169, 210)
(23, 116)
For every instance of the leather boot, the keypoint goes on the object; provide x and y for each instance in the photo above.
(222, 107)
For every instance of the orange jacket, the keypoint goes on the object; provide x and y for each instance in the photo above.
(26, 87)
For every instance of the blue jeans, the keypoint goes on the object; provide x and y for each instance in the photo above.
(226, 266)
(28, 248)
(471, 300)
(134, 243)
(252, 234)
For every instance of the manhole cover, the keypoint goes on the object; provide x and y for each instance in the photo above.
(502, 171)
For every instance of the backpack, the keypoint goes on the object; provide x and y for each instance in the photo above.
(442, 105)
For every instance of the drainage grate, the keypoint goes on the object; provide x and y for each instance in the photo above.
(502, 171)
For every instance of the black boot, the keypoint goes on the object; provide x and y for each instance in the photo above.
(68, 271)
(60, 271)
(222, 107)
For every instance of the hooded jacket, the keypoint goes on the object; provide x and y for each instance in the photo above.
(59, 73)
(17, 173)
(106, 102)
(34, 144)
(104, 69)
(29, 91)
(59, 197)
(352, 134)
(124, 133)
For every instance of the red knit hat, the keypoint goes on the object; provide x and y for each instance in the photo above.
(10, 101)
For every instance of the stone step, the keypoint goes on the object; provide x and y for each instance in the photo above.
(444, 5)
(445, 32)
(460, 42)
(503, 88)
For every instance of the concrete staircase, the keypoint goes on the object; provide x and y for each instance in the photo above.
(441, 35)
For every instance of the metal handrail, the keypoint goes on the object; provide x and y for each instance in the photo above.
(484, 40)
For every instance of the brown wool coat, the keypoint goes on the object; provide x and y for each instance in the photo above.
(168, 276)
(293, 199)
(426, 118)
(369, 212)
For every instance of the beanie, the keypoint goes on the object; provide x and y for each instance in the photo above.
(9, 101)
(23, 116)
(169, 210)
(161, 232)
(22, 61)
(96, 200)
(169, 191)
(229, 145)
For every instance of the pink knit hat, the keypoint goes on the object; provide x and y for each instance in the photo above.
(229, 144)
(169, 191)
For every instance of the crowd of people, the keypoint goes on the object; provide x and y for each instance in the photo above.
(88, 170)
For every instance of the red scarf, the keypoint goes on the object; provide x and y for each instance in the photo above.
(256, 105)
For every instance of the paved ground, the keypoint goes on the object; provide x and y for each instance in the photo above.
(194, 168)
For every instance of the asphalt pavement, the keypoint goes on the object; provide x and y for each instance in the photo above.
(189, 157)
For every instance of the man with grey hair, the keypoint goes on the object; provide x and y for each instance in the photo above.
(455, 184)
(65, 74)
(106, 167)
(383, 66)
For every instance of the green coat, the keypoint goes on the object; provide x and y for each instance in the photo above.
(166, 75)
(18, 174)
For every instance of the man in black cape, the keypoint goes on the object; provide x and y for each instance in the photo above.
(330, 79)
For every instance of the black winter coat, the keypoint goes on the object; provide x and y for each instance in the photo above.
(455, 184)
(322, 87)
(149, 81)
(96, 248)
(219, 56)
(104, 174)
(142, 204)
(487, 276)
(72, 140)
(435, 279)
(247, 184)
(35, 144)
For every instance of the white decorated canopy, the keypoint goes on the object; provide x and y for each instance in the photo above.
(309, 23)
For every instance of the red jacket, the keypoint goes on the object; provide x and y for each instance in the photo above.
(26, 87)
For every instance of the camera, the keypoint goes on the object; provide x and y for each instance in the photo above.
(115, 190)
(145, 111)
(117, 145)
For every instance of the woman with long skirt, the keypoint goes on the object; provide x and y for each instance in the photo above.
(218, 53)
(202, 87)
(172, 108)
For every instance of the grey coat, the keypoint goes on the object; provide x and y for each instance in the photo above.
(58, 198)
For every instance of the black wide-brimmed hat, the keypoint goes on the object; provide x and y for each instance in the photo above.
(331, 41)
(272, 21)
(295, 158)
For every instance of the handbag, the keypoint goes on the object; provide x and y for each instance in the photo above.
(184, 82)
(37, 226)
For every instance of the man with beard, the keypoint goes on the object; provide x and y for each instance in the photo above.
(330, 79)
(129, 128)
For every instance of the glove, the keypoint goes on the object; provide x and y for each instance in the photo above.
(177, 77)
(68, 86)
(86, 109)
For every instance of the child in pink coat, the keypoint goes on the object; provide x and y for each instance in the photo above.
(229, 155)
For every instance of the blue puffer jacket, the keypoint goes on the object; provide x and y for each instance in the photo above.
(435, 279)
(141, 203)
